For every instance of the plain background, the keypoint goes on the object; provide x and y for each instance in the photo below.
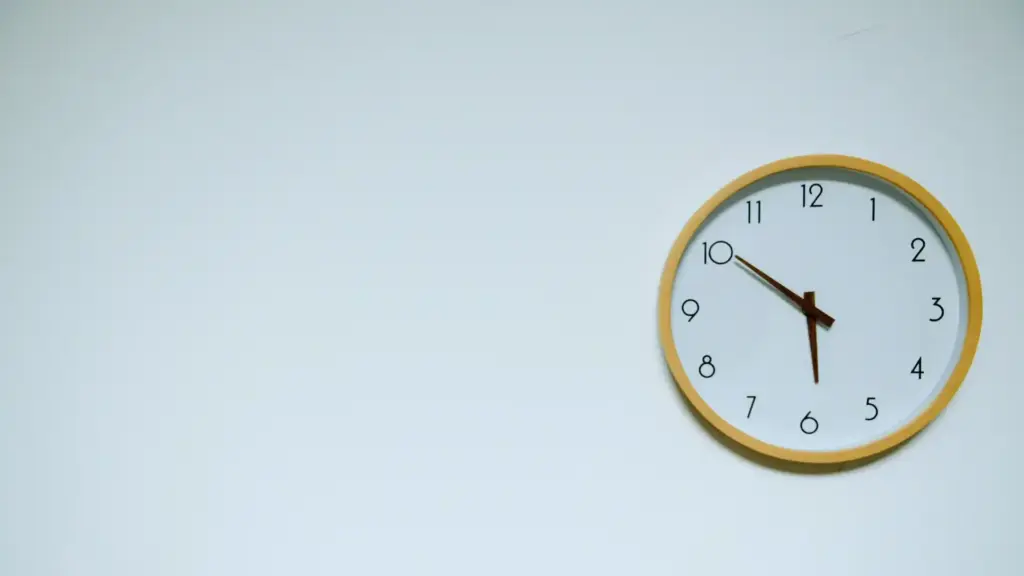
(369, 288)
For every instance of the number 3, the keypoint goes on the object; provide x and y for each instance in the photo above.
(942, 311)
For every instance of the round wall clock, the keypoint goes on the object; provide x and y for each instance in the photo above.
(820, 309)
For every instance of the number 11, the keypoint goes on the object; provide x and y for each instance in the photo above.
(753, 209)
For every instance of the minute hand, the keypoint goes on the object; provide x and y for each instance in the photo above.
(807, 307)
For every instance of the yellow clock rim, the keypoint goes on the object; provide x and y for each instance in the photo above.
(877, 447)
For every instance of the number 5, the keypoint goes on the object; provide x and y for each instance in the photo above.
(875, 408)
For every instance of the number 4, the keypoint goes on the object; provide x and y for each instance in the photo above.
(917, 369)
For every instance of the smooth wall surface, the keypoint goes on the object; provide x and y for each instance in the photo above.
(369, 288)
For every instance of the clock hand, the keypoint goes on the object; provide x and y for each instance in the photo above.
(812, 335)
(809, 309)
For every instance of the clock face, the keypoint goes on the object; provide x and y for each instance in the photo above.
(817, 309)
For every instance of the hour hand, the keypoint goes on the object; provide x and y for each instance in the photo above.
(803, 304)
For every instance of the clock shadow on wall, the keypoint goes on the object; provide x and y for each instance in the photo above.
(855, 232)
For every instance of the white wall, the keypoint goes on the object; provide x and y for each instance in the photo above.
(369, 288)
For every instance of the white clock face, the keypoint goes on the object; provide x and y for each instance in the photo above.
(877, 263)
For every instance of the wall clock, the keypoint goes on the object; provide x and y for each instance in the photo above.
(820, 309)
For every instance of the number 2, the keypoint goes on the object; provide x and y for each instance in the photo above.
(913, 245)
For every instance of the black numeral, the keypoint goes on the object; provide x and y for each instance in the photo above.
(942, 311)
(812, 192)
(913, 246)
(808, 425)
(753, 211)
(872, 209)
(873, 407)
(917, 369)
(706, 369)
(723, 247)
(751, 409)
(694, 308)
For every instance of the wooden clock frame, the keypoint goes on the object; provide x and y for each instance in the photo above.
(859, 453)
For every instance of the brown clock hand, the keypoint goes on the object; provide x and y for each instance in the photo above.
(812, 335)
(808, 308)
